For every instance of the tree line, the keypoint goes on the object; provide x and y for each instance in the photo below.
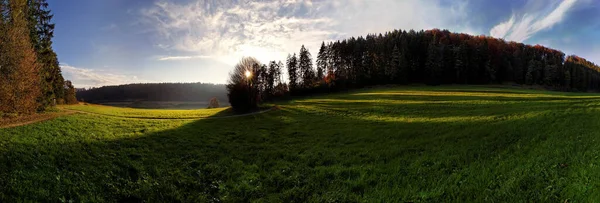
(432, 57)
(154, 92)
(30, 75)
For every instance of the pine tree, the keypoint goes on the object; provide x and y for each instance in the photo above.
(322, 61)
(490, 72)
(305, 67)
(567, 81)
(41, 32)
(394, 66)
(529, 77)
(404, 68)
(460, 65)
(433, 63)
(271, 75)
(292, 67)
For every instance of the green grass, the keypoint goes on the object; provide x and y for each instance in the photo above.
(432, 144)
(149, 113)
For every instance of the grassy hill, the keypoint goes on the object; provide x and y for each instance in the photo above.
(463, 143)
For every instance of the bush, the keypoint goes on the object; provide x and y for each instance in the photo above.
(242, 88)
(213, 103)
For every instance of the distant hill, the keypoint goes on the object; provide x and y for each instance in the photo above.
(188, 92)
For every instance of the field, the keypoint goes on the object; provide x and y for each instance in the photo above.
(433, 144)
(161, 105)
(149, 113)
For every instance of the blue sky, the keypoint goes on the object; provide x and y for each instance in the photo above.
(108, 42)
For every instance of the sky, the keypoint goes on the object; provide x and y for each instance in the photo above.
(111, 42)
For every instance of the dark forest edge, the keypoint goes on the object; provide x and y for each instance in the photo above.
(30, 75)
(432, 57)
(154, 92)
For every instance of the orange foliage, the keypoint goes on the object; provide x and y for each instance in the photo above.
(20, 71)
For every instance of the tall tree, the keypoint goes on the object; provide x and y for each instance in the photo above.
(322, 61)
(20, 70)
(41, 32)
(305, 67)
(394, 66)
(433, 64)
(292, 67)
(70, 93)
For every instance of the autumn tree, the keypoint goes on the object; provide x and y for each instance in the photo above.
(70, 93)
(18, 63)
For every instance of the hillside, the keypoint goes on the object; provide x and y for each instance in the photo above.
(190, 92)
(438, 144)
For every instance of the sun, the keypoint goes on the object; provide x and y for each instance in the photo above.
(248, 74)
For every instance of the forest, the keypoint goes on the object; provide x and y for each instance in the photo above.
(30, 75)
(154, 92)
(432, 57)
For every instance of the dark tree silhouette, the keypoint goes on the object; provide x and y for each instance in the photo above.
(243, 86)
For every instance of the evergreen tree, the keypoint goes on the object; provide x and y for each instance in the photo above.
(271, 77)
(529, 77)
(567, 80)
(292, 67)
(305, 67)
(404, 68)
(322, 61)
(394, 66)
(41, 32)
(460, 65)
(490, 72)
(433, 64)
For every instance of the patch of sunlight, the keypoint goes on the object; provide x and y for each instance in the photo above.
(447, 119)
(401, 101)
(479, 94)
(348, 113)
(147, 113)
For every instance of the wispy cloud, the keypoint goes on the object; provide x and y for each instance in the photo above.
(82, 77)
(177, 58)
(521, 27)
(269, 30)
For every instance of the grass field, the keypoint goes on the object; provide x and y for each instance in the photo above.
(149, 113)
(432, 144)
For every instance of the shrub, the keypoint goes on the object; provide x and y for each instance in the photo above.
(242, 88)
(213, 103)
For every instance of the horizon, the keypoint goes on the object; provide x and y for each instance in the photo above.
(201, 41)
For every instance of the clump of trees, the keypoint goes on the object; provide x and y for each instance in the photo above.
(432, 57)
(30, 76)
(243, 85)
(251, 83)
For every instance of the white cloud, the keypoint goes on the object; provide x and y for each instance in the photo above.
(531, 22)
(176, 58)
(82, 77)
(269, 30)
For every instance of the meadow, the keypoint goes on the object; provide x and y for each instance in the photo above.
(426, 144)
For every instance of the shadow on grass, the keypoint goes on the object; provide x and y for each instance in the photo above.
(298, 155)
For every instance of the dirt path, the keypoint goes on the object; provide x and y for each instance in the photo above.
(30, 119)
